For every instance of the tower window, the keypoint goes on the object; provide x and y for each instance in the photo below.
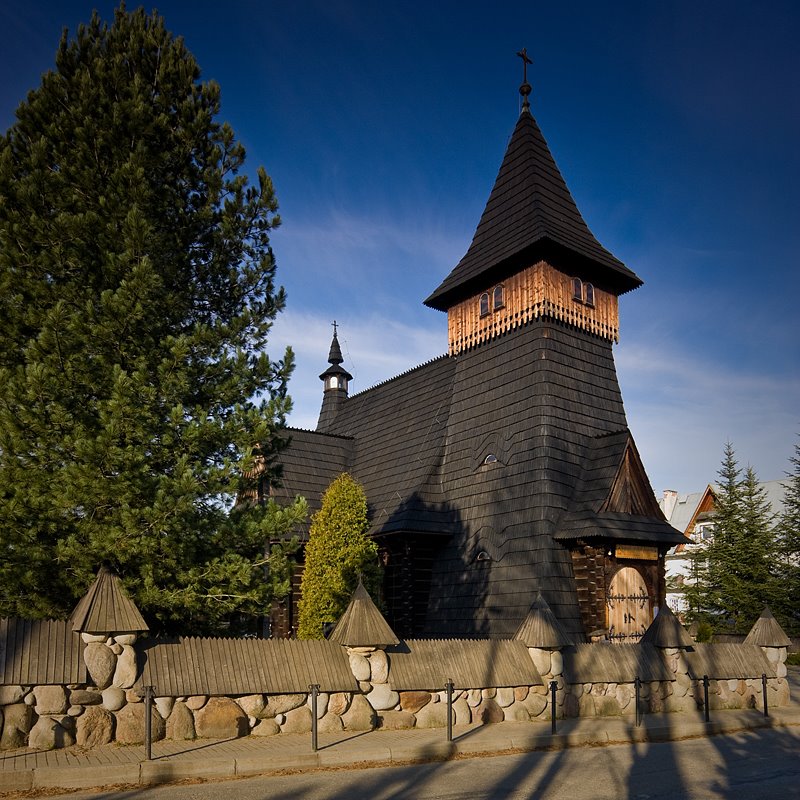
(484, 304)
(582, 292)
(498, 300)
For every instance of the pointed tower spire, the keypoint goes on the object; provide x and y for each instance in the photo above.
(530, 216)
(335, 382)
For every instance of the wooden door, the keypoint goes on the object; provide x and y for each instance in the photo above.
(629, 610)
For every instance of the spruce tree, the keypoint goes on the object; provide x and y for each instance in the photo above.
(337, 554)
(787, 604)
(136, 294)
(733, 575)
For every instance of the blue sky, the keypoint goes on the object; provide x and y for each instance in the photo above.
(675, 124)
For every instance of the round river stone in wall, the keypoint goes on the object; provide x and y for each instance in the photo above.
(414, 701)
(180, 724)
(221, 718)
(50, 700)
(281, 703)
(359, 666)
(18, 721)
(130, 724)
(114, 698)
(11, 694)
(95, 727)
(380, 666)
(48, 733)
(100, 662)
(382, 697)
(360, 716)
(125, 673)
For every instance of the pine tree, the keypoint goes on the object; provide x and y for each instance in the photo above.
(787, 604)
(733, 575)
(337, 554)
(136, 294)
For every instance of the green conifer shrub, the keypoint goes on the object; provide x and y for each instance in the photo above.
(337, 553)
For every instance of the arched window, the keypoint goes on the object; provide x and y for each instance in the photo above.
(588, 294)
(484, 304)
(490, 459)
(577, 290)
(498, 300)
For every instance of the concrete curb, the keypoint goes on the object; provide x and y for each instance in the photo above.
(380, 748)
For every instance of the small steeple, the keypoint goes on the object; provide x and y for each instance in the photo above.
(335, 381)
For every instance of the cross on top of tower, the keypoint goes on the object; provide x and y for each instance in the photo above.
(525, 89)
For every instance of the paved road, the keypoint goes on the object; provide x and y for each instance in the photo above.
(747, 766)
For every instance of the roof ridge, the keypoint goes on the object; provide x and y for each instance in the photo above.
(319, 433)
(399, 375)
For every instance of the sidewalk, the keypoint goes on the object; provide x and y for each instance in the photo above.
(116, 765)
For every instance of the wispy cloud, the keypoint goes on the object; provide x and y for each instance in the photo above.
(374, 350)
(682, 408)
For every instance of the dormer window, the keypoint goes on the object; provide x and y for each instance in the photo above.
(498, 300)
(490, 459)
(484, 302)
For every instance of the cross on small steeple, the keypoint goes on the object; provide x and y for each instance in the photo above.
(525, 88)
(334, 327)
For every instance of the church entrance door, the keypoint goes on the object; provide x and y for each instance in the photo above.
(629, 613)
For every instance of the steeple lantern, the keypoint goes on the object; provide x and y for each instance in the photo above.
(335, 383)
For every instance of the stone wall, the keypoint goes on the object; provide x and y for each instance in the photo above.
(111, 709)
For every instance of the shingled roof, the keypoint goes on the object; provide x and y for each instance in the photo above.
(106, 608)
(666, 631)
(613, 499)
(362, 625)
(530, 215)
(541, 628)
(766, 632)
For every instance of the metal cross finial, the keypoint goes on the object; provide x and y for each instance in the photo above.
(525, 88)
(334, 327)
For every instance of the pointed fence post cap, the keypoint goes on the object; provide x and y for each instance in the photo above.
(767, 632)
(666, 631)
(541, 628)
(106, 608)
(362, 625)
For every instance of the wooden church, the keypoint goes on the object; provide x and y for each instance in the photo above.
(505, 467)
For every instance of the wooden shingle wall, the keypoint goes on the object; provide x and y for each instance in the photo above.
(193, 666)
(534, 292)
(426, 664)
(40, 652)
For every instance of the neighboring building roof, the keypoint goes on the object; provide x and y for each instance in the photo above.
(767, 632)
(666, 631)
(530, 214)
(106, 608)
(541, 628)
(362, 625)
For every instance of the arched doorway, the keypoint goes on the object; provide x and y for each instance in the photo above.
(629, 612)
